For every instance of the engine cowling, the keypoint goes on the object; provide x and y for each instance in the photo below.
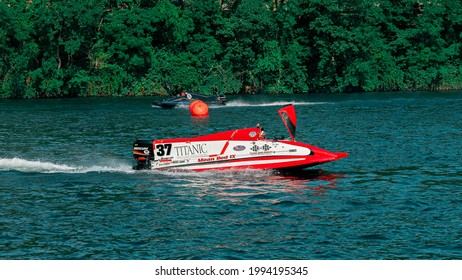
(143, 153)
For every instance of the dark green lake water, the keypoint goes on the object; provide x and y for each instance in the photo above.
(67, 190)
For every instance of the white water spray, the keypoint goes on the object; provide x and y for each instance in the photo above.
(22, 165)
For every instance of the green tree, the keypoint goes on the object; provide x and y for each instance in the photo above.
(205, 46)
(131, 47)
(243, 36)
(18, 51)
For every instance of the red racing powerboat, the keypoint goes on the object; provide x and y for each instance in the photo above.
(243, 148)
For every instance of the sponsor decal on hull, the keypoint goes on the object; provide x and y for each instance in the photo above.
(167, 149)
(208, 154)
(239, 148)
(216, 158)
(193, 149)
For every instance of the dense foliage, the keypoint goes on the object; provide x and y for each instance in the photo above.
(54, 48)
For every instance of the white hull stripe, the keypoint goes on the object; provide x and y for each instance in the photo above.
(228, 164)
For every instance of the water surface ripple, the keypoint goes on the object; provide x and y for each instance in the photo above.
(68, 190)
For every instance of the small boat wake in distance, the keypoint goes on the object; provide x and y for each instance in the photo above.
(243, 148)
(243, 103)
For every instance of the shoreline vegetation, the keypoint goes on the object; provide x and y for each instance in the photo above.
(67, 48)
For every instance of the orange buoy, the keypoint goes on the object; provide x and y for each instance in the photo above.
(199, 108)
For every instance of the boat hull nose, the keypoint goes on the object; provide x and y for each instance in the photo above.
(339, 155)
(324, 156)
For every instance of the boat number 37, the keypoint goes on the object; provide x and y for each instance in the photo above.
(163, 149)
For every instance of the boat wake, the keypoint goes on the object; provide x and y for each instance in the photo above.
(245, 103)
(242, 103)
(36, 166)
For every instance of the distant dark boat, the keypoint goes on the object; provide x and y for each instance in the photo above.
(185, 98)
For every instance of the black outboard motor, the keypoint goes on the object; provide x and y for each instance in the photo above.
(143, 153)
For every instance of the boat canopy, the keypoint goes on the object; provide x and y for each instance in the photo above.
(289, 118)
